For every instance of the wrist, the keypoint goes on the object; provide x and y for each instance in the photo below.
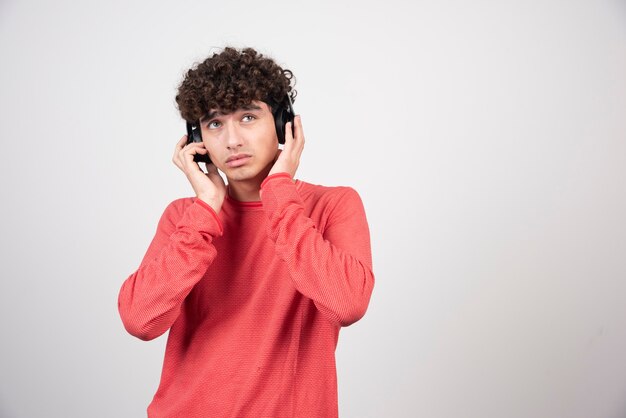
(276, 175)
(212, 203)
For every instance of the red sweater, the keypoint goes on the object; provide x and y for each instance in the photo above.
(254, 298)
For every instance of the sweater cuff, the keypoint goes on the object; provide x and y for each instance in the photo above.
(278, 192)
(273, 176)
(201, 217)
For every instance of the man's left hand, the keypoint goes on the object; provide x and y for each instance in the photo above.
(288, 159)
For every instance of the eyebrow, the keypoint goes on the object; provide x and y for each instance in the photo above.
(215, 113)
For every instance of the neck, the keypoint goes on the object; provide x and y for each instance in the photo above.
(244, 191)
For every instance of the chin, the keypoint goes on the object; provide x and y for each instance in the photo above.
(242, 174)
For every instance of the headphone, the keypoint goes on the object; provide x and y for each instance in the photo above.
(282, 112)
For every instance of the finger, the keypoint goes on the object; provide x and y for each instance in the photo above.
(298, 121)
(299, 132)
(177, 148)
(190, 149)
(210, 168)
(288, 133)
(180, 144)
(190, 152)
(187, 157)
(213, 174)
(294, 143)
(195, 145)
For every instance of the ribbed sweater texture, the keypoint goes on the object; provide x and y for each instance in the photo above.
(253, 297)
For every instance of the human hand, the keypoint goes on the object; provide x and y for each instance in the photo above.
(209, 186)
(288, 159)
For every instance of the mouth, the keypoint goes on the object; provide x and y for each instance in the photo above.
(237, 160)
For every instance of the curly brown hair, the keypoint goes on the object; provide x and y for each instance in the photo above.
(230, 80)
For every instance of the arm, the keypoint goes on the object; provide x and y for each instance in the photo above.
(333, 269)
(180, 253)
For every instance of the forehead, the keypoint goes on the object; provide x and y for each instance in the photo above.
(255, 105)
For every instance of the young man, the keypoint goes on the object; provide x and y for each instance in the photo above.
(253, 278)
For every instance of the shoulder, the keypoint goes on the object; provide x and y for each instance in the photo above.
(334, 207)
(327, 195)
(176, 208)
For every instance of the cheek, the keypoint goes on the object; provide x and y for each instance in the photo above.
(271, 148)
(209, 146)
(272, 136)
(213, 154)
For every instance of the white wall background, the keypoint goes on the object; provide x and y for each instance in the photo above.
(486, 138)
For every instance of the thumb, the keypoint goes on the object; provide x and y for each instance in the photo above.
(213, 174)
(211, 168)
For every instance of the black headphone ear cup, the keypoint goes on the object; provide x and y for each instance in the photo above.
(279, 120)
(283, 113)
(194, 134)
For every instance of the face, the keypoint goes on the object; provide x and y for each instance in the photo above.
(248, 135)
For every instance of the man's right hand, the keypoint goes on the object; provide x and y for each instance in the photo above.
(210, 186)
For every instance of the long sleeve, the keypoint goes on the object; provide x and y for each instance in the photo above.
(334, 269)
(182, 249)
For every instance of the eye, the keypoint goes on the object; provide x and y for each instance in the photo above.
(213, 124)
(248, 118)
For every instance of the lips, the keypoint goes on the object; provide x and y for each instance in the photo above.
(237, 157)
(238, 160)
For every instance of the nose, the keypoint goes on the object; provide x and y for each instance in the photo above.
(232, 136)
